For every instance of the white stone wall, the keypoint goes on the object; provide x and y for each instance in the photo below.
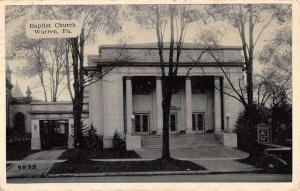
(54, 106)
(113, 115)
(95, 108)
(232, 107)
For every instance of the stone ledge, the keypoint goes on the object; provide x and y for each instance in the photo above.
(227, 139)
(133, 142)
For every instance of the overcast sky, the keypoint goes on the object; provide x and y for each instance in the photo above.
(134, 33)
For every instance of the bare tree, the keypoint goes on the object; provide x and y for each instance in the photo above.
(33, 52)
(57, 67)
(251, 21)
(178, 17)
(43, 57)
(93, 19)
(276, 79)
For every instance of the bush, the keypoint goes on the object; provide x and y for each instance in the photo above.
(279, 117)
(281, 124)
(118, 142)
(92, 140)
(17, 141)
(245, 127)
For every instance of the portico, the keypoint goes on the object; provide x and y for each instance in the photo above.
(182, 106)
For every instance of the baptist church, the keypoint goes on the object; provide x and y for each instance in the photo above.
(128, 99)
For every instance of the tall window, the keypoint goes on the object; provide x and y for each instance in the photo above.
(172, 122)
(198, 121)
(141, 123)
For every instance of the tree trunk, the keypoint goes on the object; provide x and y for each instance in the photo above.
(250, 60)
(251, 121)
(78, 59)
(166, 103)
(77, 124)
(44, 89)
(76, 100)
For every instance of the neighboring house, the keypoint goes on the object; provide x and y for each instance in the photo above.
(129, 97)
(49, 123)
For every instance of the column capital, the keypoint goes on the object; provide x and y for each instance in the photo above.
(128, 77)
(158, 77)
(188, 78)
(217, 77)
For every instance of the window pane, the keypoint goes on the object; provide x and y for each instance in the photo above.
(194, 122)
(173, 122)
(137, 123)
(145, 123)
(200, 122)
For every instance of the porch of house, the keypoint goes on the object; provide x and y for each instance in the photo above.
(196, 113)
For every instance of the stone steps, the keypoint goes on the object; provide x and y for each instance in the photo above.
(181, 141)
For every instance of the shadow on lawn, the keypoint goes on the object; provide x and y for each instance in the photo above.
(83, 154)
(88, 166)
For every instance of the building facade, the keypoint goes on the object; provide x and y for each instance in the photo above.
(128, 99)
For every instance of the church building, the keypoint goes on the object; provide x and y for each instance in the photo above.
(128, 99)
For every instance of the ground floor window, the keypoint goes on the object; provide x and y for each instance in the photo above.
(172, 122)
(141, 123)
(198, 121)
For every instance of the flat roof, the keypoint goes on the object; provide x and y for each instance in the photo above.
(167, 45)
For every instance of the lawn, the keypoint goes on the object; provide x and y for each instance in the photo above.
(98, 154)
(18, 154)
(123, 166)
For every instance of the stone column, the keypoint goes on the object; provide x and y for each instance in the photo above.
(71, 133)
(188, 105)
(217, 104)
(129, 109)
(35, 135)
(159, 110)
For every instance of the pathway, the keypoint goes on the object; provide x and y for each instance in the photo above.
(218, 152)
(214, 159)
(34, 165)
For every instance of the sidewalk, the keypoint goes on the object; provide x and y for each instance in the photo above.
(35, 165)
(213, 152)
(214, 159)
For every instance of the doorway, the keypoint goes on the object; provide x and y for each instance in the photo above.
(173, 123)
(198, 122)
(54, 134)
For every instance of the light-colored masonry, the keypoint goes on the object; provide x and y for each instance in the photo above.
(128, 99)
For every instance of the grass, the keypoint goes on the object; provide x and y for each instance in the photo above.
(123, 166)
(82, 154)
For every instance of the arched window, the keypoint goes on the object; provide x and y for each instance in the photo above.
(19, 122)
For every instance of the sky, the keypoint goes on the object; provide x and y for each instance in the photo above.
(134, 33)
